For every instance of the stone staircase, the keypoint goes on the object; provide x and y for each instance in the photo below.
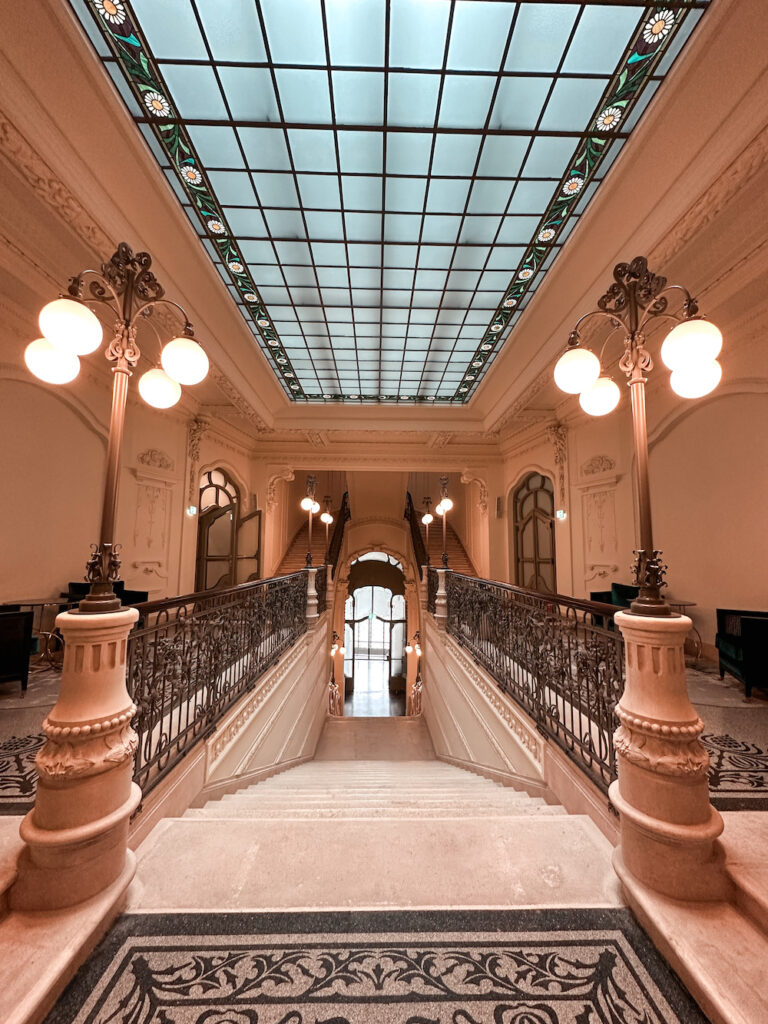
(295, 557)
(458, 559)
(375, 821)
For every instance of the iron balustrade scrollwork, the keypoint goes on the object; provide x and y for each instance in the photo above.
(433, 582)
(419, 548)
(190, 658)
(559, 658)
(334, 548)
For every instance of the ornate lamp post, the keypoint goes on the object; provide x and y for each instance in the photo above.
(426, 519)
(635, 299)
(443, 508)
(326, 518)
(126, 285)
(311, 507)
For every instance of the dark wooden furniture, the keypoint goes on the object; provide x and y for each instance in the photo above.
(742, 645)
(15, 644)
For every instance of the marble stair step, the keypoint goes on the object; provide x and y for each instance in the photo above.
(212, 811)
(745, 840)
(350, 799)
(532, 860)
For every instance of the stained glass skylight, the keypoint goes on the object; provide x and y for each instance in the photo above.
(383, 184)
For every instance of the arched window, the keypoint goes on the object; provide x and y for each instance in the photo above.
(228, 544)
(534, 533)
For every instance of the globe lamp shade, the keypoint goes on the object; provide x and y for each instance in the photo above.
(158, 389)
(439, 509)
(427, 518)
(51, 364)
(447, 504)
(691, 343)
(408, 648)
(576, 370)
(326, 518)
(184, 361)
(696, 381)
(601, 398)
(307, 503)
(315, 507)
(71, 326)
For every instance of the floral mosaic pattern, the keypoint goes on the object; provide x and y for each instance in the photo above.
(655, 32)
(18, 774)
(526, 977)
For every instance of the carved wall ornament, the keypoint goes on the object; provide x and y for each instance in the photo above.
(558, 437)
(240, 403)
(598, 464)
(468, 477)
(286, 473)
(197, 427)
(155, 457)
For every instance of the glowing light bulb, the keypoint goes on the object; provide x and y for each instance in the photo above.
(693, 342)
(342, 650)
(315, 507)
(447, 504)
(307, 503)
(71, 327)
(696, 381)
(576, 370)
(157, 389)
(408, 648)
(427, 518)
(601, 398)
(51, 364)
(326, 517)
(184, 361)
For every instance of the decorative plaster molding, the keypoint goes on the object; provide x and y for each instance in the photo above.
(49, 188)
(155, 457)
(598, 464)
(601, 571)
(710, 204)
(317, 439)
(240, 403)
(440, 439)
(536, 385)
(286, 473)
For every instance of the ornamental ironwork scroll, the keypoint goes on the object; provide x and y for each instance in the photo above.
(321, 586)
(191, 658)
(560, 659)
(433, 583)
(419, 548)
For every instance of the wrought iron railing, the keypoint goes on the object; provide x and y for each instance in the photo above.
(559, 658)
(433, 581)
(419, 549)
(334, 548)
(191, 657)
(321, 586)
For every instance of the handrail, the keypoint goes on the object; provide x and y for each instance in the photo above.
(419, 549)
(334, 548)
(559, 658)
(190, 658)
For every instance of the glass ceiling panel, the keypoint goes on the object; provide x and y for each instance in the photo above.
(382, 184)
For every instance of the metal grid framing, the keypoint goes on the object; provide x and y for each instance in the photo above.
(383, 185)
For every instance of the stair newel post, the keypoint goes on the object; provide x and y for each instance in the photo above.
(441, 601)
(76, 835)
(312, 614)
(668, 826)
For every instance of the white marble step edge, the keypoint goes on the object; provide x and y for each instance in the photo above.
(211, 813)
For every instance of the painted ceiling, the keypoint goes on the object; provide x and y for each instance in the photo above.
(383, 184)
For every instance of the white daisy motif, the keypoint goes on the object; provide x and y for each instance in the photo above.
(470, 376)
(111, 10)
(430, 398)
(545, 235)
(573, 186)
(235, 266)
(272, 342)
(263, 322)
(157, 104)
(216, 227)
(353, 396)
(463, 389)
(191, 175)
(327, 396)
(658, 26)
(486, 347)
(478, 362)
(496, 327)
(510, 302)
(282, 360)
(294, 387)
(608, 120)
(525, 273)
(250, 297)
(289, 374)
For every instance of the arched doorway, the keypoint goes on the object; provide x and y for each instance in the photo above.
(228, 543)
(375, 637)
(532, 521)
